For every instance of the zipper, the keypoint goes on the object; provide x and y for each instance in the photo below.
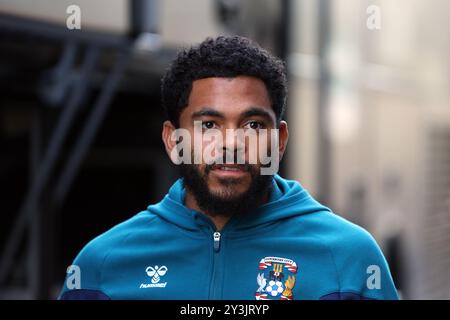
(216, 238)
(215, 289)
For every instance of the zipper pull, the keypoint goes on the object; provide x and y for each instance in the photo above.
(216, 237)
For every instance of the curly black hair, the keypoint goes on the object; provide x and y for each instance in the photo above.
(224, 56)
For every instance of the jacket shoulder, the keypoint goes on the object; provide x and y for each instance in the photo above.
(360, 264)
(90, 260)
(97, 249)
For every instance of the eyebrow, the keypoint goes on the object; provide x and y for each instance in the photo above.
(207, 112)
(257, 111)
(253, 111)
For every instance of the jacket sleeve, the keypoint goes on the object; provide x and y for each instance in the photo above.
(83, 278)
(362, 270)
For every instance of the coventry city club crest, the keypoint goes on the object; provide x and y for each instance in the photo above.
(277, 279)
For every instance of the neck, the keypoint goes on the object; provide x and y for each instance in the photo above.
(219, 220)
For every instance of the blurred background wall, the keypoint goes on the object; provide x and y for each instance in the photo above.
(80, 122)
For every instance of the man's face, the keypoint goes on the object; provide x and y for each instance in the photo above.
(222, 104)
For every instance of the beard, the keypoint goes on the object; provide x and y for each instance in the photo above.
(226, 203)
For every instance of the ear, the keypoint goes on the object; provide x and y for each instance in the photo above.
(283, 137)
(169, 143)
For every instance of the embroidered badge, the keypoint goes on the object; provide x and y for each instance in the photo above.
(277, 279)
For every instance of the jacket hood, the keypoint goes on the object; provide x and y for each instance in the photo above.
(288, 199)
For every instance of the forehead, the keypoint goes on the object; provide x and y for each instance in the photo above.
(228, 95)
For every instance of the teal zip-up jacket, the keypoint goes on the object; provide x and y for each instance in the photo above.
(292, 247)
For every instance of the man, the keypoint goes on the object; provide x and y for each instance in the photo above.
(230, 228)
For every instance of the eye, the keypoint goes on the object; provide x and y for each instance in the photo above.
(208, 124)
(254, 125)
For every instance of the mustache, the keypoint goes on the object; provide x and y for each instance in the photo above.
(238, 159)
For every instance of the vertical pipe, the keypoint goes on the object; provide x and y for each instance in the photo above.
(324, 148)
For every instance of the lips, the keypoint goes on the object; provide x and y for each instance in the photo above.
(229, 170)
(229, 167)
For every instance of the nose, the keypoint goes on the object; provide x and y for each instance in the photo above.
(234, 142)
